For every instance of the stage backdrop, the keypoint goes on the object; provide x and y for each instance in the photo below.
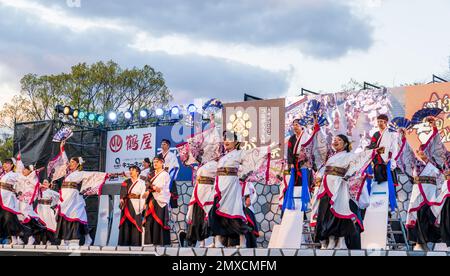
(431, 96)
(165, 132)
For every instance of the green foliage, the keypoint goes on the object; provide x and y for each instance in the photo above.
(98, 88)
(6, 148)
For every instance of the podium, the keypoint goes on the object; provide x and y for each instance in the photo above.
(376, 219)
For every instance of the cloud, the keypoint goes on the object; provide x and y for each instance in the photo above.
(319, 28)
(37, 47)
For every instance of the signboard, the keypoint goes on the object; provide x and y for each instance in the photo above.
(257, 124)
(129, 147)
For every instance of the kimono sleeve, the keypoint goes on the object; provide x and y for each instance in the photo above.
(93, 182)
(164, 184)
(358, 162)
(436, 151)
(57, 168)
(253, 161)
(320, 149)
(19, 166)
(55, 198)
(211, 145)
(406, 159)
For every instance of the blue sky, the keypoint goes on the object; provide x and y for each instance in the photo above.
(223, 48)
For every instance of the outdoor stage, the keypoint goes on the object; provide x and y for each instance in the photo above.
(21, 250)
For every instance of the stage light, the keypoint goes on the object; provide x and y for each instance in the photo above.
(101, 119)
(128, 115)
(112, 116)
(76, 114)
(81, 115)
(92, 117)
(67, 110)
(159, 112)
(59, 109)
(175, 110)
(143, 114)
(192, 108)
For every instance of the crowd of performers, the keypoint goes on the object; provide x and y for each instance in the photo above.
(331, 180)
(338, 181)
(33, 212)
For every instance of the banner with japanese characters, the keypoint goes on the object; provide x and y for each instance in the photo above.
(129, 147)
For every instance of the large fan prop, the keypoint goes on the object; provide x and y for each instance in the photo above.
(63, 134)
(314, 110)
(400, 123)
(420, 115)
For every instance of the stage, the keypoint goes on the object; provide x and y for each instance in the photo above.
(38, 250)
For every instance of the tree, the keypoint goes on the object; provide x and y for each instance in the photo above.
(16, 111)
(6, 147)
(98, 88)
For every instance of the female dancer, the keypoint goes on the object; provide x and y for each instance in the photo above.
(72, 216)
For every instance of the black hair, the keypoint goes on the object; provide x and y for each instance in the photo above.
(296, 121)
(135, 168)
(383, 117)
(159, 157)
(166, 141)
(77, 159)
(348, 146)
(8, 161)
(147, 160)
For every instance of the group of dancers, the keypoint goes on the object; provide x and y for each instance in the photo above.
(340, 181)
(32, 212)
(332, 181)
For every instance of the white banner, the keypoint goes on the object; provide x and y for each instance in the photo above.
(129, 147)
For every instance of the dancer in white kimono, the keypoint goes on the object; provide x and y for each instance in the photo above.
(227, 217)
(299, 157)
(425, 204)
(72, 216)
(27, 189)
(10, 225)
(147, 170)
(47, 201)
(132, 204)
(439, 156)
(172, 166)
(156, 220)
(201, 203)
(203, 149)
(335, 218)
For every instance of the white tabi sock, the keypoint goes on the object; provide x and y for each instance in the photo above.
(31, 240)
(242, 242)
(323, 245)
(331, 242)
(201, 244)
(87, 240)
(19, 241)
(217, 242)
(341, 244)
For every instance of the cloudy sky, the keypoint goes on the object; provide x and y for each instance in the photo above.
(224, 48)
